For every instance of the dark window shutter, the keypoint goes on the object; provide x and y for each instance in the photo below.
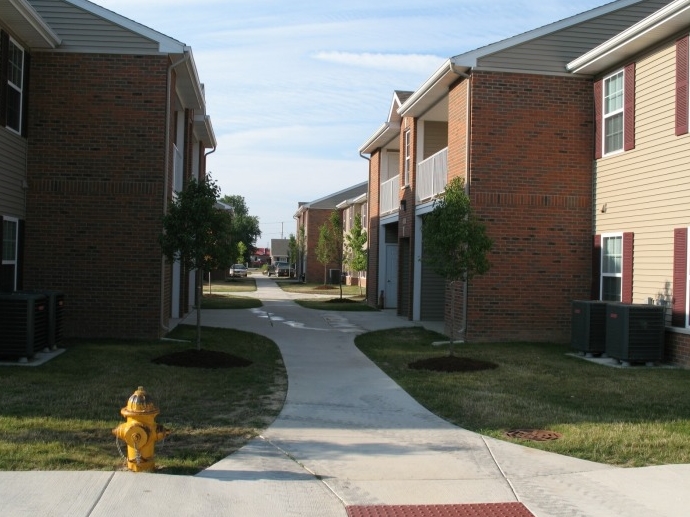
(25, 94)
(627, 280)
(596, 268)
(598, 118)
(680, 275)
(20, 254)
(629, 108)
(682, 86)
(4, 60)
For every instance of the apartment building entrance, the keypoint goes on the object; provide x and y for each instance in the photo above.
(390, 294)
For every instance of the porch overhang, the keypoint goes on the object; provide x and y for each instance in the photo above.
(28, 25)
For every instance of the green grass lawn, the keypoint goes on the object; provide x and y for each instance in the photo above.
(59, 416)
(293, 286)
(630, 417)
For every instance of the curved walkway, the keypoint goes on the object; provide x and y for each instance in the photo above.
(350, 442)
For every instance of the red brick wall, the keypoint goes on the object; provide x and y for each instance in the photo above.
(677, 348)
(406, 220)
(373, 221)
(96, 137)
(531, 184)
(315, 218)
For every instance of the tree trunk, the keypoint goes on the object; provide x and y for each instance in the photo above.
(199, 296)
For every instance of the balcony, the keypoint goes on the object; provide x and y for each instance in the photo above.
(432, 175)
(390, 195)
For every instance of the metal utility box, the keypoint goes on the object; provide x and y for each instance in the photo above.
(54, 322)
(635, 333)
(24, 324)
(588, 326)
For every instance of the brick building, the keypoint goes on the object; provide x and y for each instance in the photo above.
(310, 217)
(113, 121)
(511, 121)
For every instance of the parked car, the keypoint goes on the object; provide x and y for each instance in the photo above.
(283, 269)
(238, 271)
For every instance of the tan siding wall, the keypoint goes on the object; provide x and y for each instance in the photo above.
(646, 190)
(12, 174)
(435, 137)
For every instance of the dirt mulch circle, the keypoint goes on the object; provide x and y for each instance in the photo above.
(193, 358)
(535, 435)
(452, 363)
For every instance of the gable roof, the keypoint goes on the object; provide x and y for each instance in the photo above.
(661, 25)
(545, 50)
(84, 27)
(391, 128)
(331, 201)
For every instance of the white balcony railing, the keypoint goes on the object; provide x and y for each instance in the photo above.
(390, 195)
(432, 175)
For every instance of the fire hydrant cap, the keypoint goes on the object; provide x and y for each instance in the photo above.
(140, 402)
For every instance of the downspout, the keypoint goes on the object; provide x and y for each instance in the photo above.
(168, 107)
(465, 296)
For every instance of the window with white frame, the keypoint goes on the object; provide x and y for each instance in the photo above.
(408, 157)
(10, 246)
(15, 86)
(613, 112)
(611, 267)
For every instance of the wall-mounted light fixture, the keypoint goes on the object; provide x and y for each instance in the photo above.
(403, 205)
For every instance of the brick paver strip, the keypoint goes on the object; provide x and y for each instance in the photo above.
(442, 510)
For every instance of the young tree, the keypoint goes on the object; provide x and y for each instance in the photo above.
(245, 227)
(355, 254)
(293, 251)
(329, 248)
(241, 251)
(198, 234)
(455, 240)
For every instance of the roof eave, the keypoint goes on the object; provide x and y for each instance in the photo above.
(434, 89)
(28, 24)
(203, 129)
(382, 137)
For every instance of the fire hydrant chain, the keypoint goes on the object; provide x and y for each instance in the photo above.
(140, 432)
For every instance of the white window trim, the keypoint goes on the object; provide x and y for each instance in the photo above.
(601, 265)
(605, 115)
(408, 157)
(19, 88)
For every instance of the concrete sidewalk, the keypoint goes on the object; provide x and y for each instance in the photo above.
(350, 442)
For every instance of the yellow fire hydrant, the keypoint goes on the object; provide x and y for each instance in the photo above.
(140, 432)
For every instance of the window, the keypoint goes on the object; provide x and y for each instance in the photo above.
(408, 157)
(15, 85)
(614, 107)
(8, 276)
(611, 267)
(613, 113)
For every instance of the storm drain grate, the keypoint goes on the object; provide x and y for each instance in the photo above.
(536, 435)
(442, 510)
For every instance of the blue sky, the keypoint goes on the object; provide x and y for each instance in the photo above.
(294, 88)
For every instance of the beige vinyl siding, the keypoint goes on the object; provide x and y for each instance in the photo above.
(435, 137)
(647, 190)
(82, 31)
(12, 174)
(551, 52)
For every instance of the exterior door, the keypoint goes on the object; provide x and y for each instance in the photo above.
(391, 287)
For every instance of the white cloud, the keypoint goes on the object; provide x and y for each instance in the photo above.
(416, 63)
